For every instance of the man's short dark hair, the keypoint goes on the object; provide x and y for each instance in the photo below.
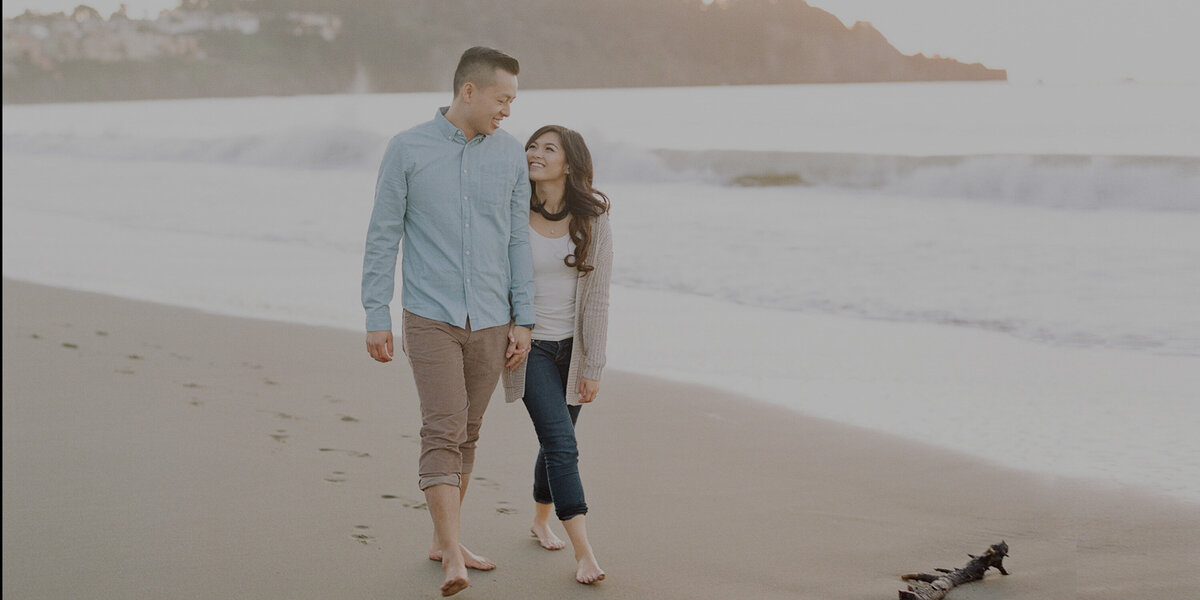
(478, 65)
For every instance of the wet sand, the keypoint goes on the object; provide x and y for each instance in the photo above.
(151, 451)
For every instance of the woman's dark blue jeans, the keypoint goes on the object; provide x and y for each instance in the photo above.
(556, 473)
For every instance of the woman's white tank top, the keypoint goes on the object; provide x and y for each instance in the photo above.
(554, 298)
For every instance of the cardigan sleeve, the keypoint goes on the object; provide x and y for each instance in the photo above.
(595, 306)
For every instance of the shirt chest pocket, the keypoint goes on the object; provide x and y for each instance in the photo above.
(496, 184)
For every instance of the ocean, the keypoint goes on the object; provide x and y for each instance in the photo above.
(973, 265)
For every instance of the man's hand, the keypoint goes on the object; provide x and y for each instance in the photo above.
(379, 345)
(518, 346)
(588, 388)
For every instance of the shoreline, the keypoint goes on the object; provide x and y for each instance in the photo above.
(1058, 410)
(158, 451)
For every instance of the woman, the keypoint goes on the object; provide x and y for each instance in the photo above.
(572, 263)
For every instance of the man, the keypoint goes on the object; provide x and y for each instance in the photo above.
(456, 191)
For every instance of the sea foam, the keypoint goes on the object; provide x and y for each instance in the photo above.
(1058, 181)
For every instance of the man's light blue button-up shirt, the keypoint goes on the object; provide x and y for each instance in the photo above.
(461, 208)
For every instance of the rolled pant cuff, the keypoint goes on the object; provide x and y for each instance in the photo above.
(428, 481)
(571, 511)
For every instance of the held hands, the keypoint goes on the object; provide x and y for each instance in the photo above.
(379, 345)
(518, 346)
(588, 389)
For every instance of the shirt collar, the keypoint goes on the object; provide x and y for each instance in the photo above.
(449, 129)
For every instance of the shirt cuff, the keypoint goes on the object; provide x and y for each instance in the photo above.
(524, 316)
(379, 319)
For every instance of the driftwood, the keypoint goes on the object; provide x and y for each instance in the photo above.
(935, 587)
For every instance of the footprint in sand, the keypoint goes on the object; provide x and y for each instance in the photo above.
(487, 483)
(134, 357)
(282, 415)
(503, 508)
(101, 333)
(270, 382)
(354, 453)
(280, 435)
(415, 504)
(36, 336)
(69, 345)
(348, 418)
(407, 502)
(192, 385)
(361, 536)
(336, 477)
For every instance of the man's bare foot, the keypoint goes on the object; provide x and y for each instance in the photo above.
(589, 570)
(456, 581)
(546, 537)
(474, 561)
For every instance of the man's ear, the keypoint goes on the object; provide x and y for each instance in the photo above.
(467, 93)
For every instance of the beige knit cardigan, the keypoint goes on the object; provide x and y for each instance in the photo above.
(591, 320)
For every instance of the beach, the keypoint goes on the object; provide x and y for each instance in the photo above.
(154, 451)
(924, 340)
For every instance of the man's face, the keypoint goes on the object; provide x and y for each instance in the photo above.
(490, 105)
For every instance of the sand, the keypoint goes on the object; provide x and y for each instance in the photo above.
(151, 451)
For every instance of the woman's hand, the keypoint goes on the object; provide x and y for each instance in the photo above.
(519, 342)
(588, 388)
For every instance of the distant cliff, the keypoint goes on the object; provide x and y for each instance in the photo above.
(412, 45)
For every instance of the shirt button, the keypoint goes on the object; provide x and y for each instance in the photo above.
(468, 252)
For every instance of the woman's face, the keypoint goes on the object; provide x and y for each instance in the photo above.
(547, 161)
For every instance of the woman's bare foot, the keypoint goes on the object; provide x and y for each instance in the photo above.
(589, 571)
(546, 537)
(473, 561)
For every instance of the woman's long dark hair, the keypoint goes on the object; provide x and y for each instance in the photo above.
(582, 201)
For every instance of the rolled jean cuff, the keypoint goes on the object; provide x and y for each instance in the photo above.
(428, 481)
(570, 511)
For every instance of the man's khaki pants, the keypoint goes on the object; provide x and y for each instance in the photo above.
(456, 371)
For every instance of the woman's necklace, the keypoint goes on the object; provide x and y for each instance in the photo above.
(552, 217)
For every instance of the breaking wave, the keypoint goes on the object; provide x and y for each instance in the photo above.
(1058, 181)
(329, 148)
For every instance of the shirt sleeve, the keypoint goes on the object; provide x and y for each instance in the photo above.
(520, 257)
(383, 238)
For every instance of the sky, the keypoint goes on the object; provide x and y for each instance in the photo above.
(1058, 41)
(1055, 41)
